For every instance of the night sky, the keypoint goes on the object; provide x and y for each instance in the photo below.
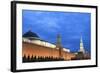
(70, 25)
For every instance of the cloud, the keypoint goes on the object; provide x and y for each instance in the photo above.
(46, 23)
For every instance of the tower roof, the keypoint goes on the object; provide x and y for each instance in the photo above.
(30, 34)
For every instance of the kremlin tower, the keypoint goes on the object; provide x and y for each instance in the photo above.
(58, 45)
(81, 46)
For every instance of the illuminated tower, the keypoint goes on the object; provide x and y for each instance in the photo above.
(58, 45)
(81, 46)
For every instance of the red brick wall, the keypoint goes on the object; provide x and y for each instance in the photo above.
(38, 50)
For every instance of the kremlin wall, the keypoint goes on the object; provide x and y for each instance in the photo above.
(33, 46)
(39, 50)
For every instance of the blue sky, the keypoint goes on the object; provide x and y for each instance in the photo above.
(70, 25)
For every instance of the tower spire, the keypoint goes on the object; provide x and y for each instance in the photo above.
(81, 46)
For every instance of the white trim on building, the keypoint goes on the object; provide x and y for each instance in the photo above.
(43, 43)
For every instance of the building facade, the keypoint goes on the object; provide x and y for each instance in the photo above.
(32, 46)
